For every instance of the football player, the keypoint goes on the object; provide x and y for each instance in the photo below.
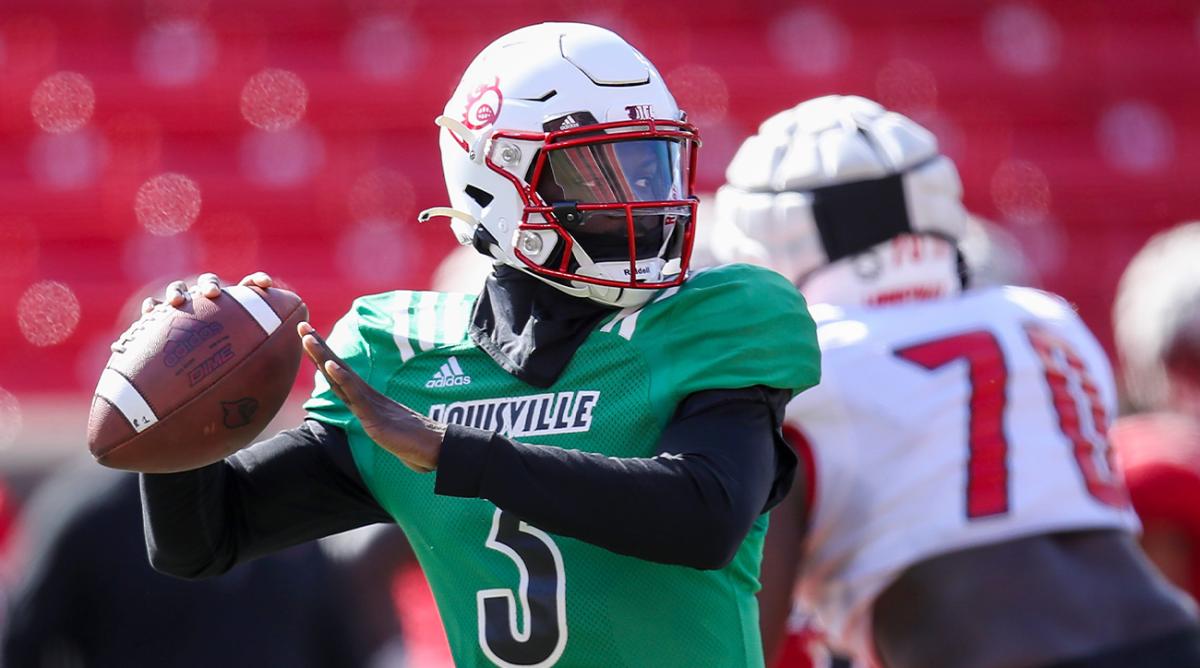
(961, 509)
(1156, 320)
(582, 455)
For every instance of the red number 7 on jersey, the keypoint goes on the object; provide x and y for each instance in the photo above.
(1070, 386)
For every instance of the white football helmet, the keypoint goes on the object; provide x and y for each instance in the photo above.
(831, 179)
(566, 156)
(1156, 313)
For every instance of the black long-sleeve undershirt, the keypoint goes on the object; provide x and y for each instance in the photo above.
(296, 486)
(719, 464)
(715, 471)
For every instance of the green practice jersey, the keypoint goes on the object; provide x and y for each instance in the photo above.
(509, 593)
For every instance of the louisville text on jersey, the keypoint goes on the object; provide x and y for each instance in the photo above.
(536, 414)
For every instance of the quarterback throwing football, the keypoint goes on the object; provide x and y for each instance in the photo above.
(604, 430)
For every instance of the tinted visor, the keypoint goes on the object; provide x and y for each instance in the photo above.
(637, 170)
(618, 173)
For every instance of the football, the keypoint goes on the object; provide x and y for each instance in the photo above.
(188, 386)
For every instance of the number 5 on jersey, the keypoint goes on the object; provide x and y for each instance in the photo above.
(1071, 387)
(539, 637)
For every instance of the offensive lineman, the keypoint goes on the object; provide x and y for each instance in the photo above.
(961, 509)
(631, 533)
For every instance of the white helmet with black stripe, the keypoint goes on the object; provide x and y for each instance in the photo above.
(831, 180)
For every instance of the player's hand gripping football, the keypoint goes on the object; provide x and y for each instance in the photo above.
(207, 285)
(412, 437)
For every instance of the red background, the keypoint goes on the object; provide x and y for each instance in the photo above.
(1074, 124)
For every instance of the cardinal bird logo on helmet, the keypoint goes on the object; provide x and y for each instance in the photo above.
(483, 105)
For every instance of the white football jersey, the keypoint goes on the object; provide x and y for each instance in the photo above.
(943, 425)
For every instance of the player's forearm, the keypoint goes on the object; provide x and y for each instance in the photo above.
(692, 505)
(291, 488)
(187, 530)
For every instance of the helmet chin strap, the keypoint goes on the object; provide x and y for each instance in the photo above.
(603, 294)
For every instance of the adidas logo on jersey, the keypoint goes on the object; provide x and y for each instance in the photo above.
(450, 375)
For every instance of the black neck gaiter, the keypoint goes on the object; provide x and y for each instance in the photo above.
(529, 328)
